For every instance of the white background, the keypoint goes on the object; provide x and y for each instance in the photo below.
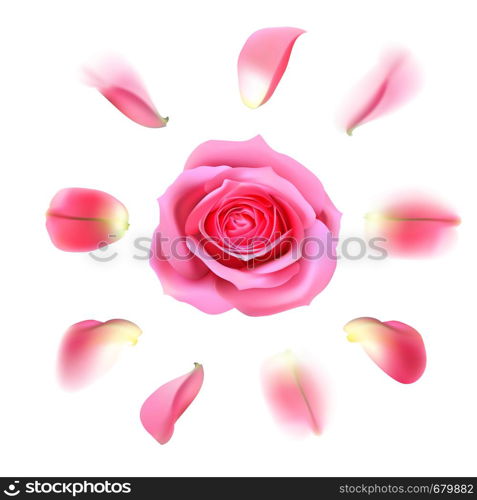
(57, 133)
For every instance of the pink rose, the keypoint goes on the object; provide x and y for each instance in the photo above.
(244, 226)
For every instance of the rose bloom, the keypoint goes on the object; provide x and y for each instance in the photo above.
(244, 226)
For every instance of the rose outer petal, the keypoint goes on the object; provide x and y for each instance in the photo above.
(200, 292)
(262, 62)
(163, 407)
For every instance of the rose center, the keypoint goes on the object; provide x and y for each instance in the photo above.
(246, 228)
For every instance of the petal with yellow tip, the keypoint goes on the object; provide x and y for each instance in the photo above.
(397, 348)
(90, 348)
(82, 220)
(262, 62)
(413, 225)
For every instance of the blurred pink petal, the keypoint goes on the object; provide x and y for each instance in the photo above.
(121, 86)
(262, 62)
(90, 348)
(392, 83)
(81, 220)
(395, 347)
(163, 407)
(413, 226)
(294, 393)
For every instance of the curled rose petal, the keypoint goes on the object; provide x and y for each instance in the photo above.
(395, 347)
(81, 220)
(294, 393)
(162, 408)
(123, 88)
(90, 348)
(393, 82)
(413, 226)
(262, 62)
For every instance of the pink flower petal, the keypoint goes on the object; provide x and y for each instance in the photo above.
(262, 62)
(413, 226)
(395, 347)
(200, 292)
(245, 279)
(294, 393)
(121, 86)
(392, 83)
(81, 220)
(90, 348)
(162, 408)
